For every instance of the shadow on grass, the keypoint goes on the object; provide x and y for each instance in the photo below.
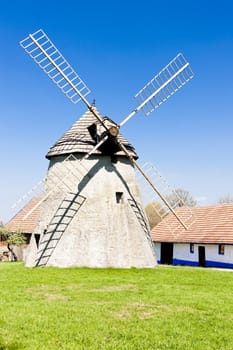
(13, 346)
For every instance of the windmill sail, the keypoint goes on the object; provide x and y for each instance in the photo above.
(41, 49)
(169, 80)
(160, 208)
(37, 191)
(67, 179)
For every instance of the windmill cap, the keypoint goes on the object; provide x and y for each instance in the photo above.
(78, 139)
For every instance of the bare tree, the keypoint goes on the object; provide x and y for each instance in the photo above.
(180, 198)
(225, 199)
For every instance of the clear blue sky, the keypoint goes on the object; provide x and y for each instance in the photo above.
(117, 47)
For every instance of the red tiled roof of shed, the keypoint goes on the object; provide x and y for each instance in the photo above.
(28, 224)
(213, 224)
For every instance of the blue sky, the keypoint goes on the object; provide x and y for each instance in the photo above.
(117, 47)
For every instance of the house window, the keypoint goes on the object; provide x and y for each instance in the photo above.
(191, 248)
(221, 249)
(119, 197)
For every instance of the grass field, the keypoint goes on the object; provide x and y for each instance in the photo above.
(164, 308)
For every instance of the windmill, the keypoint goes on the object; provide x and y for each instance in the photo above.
(91, 211)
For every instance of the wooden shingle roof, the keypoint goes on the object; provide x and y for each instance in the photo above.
(213, 224)
(77, 139)
(17, 223)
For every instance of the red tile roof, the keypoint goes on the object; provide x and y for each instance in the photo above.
(28, 224)
(212, 224)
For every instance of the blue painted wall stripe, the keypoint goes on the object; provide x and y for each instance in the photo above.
(208, 263)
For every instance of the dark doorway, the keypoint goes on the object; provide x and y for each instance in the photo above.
(166, 254)
(201, 256)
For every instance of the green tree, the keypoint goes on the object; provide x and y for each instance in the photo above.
(154, 212)
(12, 239)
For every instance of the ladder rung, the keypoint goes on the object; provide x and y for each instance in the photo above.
(44, 257)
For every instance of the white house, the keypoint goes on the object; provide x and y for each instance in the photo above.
(207, 242)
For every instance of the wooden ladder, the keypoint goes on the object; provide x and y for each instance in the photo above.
(142, 220)
(57, 226)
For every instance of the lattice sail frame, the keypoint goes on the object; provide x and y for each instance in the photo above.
(38, 190)
(66, 179)
(170, 79)
(159, 207)
(41, 49)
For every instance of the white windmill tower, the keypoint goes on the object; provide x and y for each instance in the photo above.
(91, 212)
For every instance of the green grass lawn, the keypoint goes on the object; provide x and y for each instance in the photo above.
(164, 308)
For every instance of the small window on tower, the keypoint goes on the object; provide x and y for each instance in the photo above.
(37, 239)
(119, 197)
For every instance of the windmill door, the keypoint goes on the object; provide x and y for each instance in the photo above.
(166, 254)
(201, 256)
